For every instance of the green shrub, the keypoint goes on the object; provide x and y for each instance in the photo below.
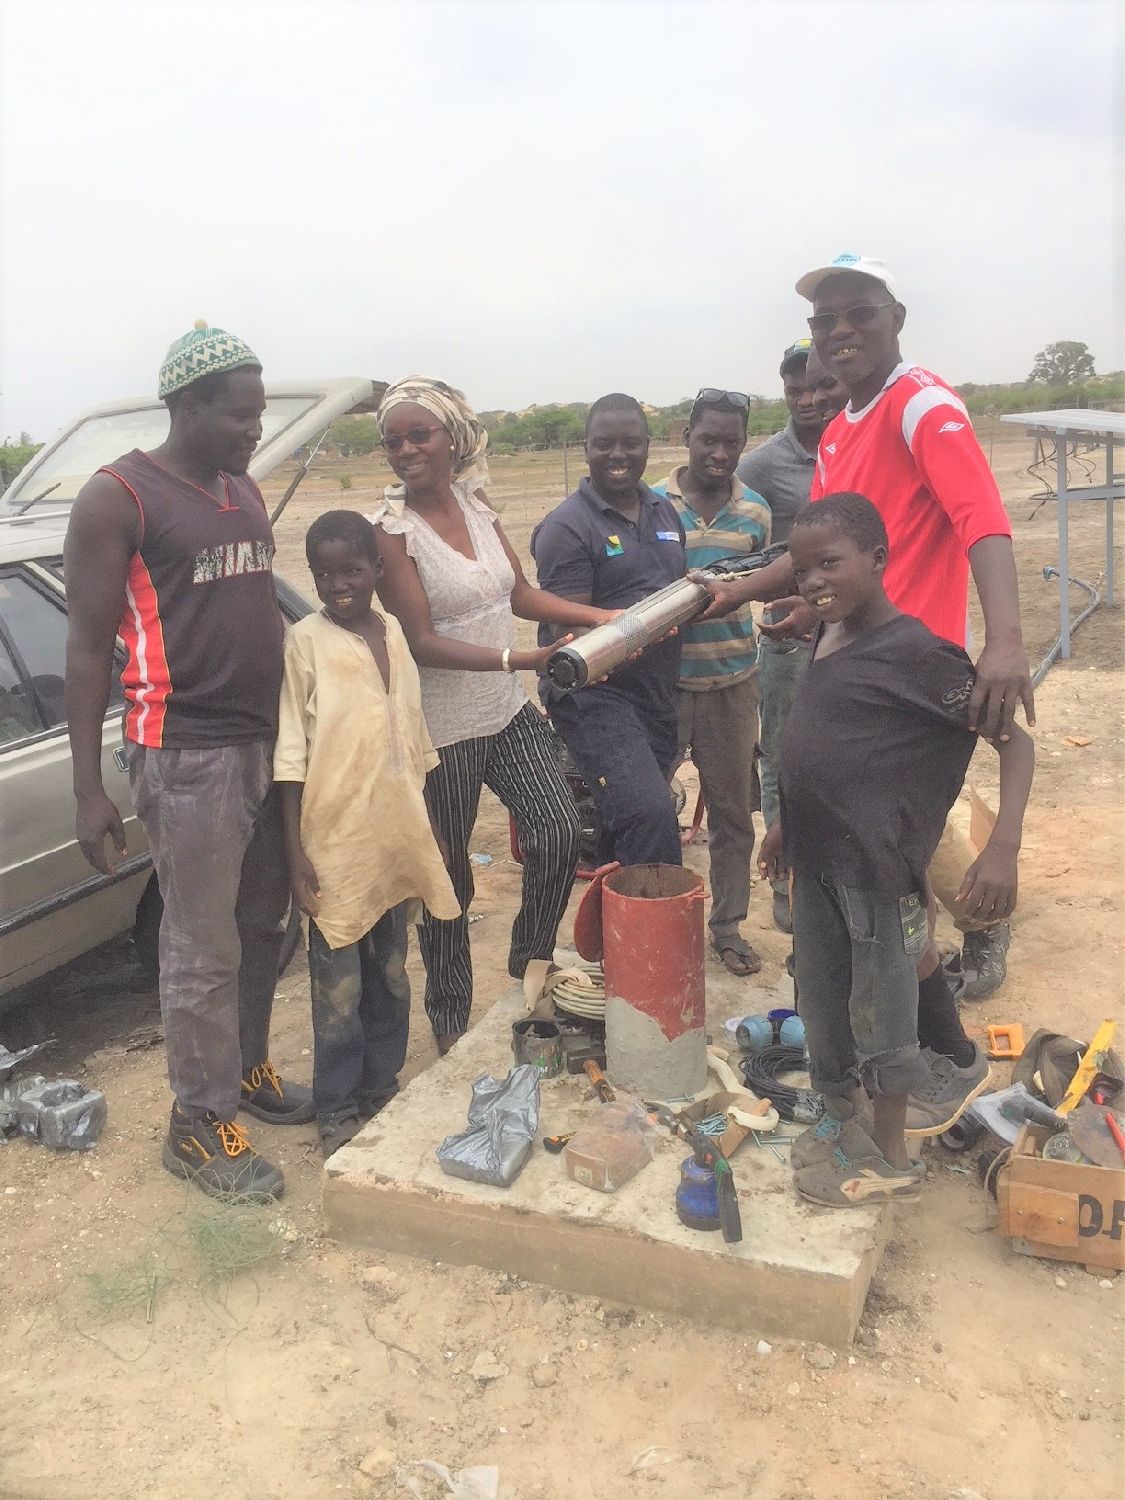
(345, 481)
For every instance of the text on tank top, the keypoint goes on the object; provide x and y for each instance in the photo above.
(200, 621)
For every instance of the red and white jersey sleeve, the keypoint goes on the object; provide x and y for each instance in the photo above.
(913, 453)
(937, 430)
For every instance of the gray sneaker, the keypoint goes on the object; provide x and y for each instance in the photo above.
(984, 961)
(821, 1141)
(943, 1099)
(782, 917)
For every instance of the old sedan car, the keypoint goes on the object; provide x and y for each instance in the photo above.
(53, 906)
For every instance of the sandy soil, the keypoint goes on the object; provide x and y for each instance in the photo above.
(976, 1371)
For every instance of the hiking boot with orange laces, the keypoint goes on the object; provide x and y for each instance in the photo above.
(267, 1097)
(216, 1156)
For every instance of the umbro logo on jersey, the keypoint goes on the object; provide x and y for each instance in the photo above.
(952, 427)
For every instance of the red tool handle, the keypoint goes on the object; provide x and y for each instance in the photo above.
(1115, 1131)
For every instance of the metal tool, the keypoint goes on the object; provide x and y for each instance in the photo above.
(1019, 1110)
(1115, 1131)
(602, 1086)
(1095, 1136)
(708, 1154)
(556, 1143)
(1090, 1065)
(600, 650)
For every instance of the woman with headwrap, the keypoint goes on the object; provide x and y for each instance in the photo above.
(452, 579)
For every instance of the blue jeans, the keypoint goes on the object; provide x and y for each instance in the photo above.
(781, 665)
(361, 1018)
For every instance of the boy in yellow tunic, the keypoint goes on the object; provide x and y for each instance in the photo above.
(352, 756)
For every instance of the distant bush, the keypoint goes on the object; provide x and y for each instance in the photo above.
(551, 426)
(354, 434)
(500, 450)
(14, 457)
(345, 481)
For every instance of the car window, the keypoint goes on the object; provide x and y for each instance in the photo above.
(18, 714)
(34, 626)
(99, 440)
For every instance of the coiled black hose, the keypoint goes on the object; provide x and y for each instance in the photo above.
(804, 1106)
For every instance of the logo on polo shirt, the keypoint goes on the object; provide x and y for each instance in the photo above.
(613, 547)
(667, 536)
(952, 427)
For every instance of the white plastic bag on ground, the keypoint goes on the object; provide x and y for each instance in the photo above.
(481, 1482)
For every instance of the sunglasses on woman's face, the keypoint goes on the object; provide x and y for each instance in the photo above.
(858, 316)
(416, 436)
(738, 399)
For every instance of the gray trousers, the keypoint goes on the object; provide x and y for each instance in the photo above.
(781, 665)
(214, 829)
(360, 1016)
(720, 730)
(855, 956)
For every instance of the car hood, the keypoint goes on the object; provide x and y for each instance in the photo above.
(297, 412)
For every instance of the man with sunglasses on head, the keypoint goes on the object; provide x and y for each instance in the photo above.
(781, 471)
(718, 692)
(906, 442)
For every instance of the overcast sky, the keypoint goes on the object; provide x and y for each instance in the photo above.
(543, 201)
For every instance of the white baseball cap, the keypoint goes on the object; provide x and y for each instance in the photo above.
(865, 265)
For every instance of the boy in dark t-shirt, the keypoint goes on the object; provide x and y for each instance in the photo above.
(875, 751)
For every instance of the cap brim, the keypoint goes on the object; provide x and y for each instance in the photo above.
(810, 282)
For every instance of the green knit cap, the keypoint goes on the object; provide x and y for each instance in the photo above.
(203, 351)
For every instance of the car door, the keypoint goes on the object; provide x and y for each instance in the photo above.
(53, 906)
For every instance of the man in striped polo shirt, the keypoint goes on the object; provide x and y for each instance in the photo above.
(718, 691)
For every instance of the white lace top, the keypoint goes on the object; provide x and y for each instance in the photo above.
(469, 601)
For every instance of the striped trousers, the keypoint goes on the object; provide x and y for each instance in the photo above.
(520, 765)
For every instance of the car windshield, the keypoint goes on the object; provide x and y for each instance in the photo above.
(99, 440)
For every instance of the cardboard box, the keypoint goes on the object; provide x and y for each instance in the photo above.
(1061, 1211)
(718, 1104)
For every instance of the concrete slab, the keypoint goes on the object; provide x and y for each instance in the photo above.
(800, 1271)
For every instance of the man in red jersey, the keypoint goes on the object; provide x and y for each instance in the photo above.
(906, 442)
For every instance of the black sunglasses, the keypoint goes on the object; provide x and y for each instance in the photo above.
(416, 436)
(858, 316)
(738, 399)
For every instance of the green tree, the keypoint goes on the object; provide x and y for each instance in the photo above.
(14, 455)
(355, 434)
(1062, 363)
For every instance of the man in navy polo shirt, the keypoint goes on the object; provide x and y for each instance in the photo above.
(611, 544)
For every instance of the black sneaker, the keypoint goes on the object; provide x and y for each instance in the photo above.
(336, 1131)
(216, 1156)
(984, 961)
(266, 1097)
(782, 917)
(945, 1096)
(371, 1104)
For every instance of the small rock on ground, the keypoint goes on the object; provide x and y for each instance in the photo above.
(378, 1464)
(820, 1358)
(486, 1368)
(543, 1376)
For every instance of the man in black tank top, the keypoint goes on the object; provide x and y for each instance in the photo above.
(173, 551)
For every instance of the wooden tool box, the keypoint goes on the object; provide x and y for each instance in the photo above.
(1061, 1211)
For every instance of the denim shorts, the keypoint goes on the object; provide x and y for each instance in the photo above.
(855, 959)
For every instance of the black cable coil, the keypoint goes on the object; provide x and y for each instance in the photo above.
(804, 1106)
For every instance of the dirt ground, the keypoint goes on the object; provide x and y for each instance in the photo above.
(976, 1371)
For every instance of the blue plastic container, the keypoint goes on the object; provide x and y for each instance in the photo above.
(697, 1197)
